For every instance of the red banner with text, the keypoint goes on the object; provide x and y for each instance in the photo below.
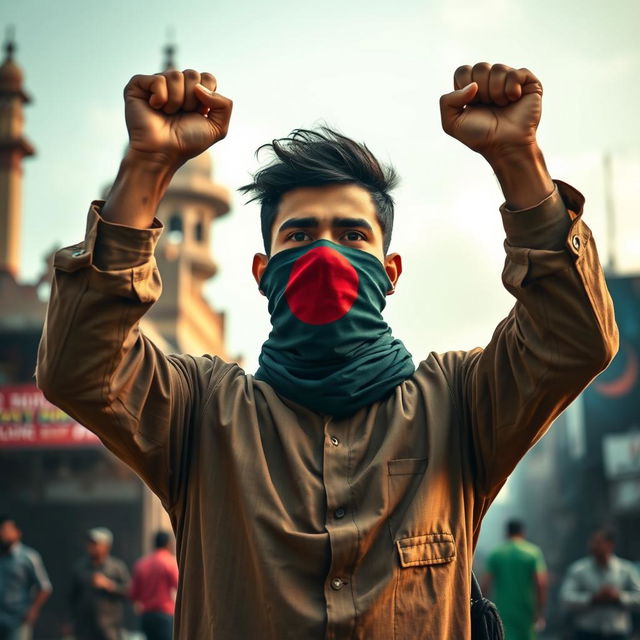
(28, 420)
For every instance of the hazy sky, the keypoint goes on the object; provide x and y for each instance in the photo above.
(373, 69)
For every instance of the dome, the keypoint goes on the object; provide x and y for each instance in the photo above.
(10, 75)
(194, 179)
(201, 166)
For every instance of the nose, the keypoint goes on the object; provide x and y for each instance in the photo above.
(325, 234)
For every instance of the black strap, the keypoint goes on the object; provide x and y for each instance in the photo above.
(476, 592)
(485, 619)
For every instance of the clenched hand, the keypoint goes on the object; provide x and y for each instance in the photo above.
(494, 110)
(175, 115)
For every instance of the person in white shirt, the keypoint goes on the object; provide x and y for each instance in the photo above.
(601, 591)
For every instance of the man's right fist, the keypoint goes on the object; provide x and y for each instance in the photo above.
(175, 115)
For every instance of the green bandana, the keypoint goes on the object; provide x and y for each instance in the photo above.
(330, 349)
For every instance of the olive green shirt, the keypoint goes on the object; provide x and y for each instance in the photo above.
(289, 523)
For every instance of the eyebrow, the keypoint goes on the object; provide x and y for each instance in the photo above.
(312, 222)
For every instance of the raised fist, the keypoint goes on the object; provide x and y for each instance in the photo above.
(175, 115)
(495, 109)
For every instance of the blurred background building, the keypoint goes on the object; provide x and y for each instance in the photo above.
(56, 478)
(585, 473)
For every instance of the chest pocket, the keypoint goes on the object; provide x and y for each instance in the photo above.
(404, 478)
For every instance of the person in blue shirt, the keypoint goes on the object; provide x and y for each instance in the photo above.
(24, 584)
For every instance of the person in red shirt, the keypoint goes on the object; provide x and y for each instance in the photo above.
(153, 589)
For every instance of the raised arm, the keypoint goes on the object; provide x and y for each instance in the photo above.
(93, 361)
(495, 111)
(561, 331)
(171, 117)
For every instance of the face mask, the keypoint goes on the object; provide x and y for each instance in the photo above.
(330, 349)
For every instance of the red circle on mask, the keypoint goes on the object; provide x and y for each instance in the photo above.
(322, 286)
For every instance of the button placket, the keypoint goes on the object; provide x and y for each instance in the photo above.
(343, 534)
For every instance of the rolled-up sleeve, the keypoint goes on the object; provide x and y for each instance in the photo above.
(559, 335)
(95, 363)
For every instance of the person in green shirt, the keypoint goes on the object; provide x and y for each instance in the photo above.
(516, 579)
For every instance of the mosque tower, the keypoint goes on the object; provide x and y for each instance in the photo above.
(13, 148)
(193, 201)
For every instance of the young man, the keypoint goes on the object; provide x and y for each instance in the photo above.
(339, 492)
(153, 588)
(516, 579)
(602, 591)
(99, 588)
(24, 583)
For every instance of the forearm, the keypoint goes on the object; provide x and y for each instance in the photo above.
(559, 335)
(541, 598)
(523, 177)
(138, 188)
(118, 589)
(38, 601)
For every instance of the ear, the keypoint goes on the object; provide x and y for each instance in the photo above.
(257, 268)
(393, 267)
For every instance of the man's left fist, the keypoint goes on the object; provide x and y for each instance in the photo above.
(495, 109)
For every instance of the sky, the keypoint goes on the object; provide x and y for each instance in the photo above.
(374, 70)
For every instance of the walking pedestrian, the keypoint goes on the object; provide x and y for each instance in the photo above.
(517, 579)
(601, 590)
(153, 588)
(100, 585)
(24, 583)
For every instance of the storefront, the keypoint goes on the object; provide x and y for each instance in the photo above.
(57, 481)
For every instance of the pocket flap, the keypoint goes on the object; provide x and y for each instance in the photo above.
(432, 548)
(406, 466)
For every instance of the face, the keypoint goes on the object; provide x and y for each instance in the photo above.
(342, 213)
(97, 550)
(600, 547)
(9, 534)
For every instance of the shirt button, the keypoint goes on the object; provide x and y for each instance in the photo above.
(337, 584)
(339, 512)
(575, 241)
(334, 441)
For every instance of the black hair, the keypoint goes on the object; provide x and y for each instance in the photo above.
(6, 518)
(161, 539)
(608, 533)
(515, 527)
(309, 158)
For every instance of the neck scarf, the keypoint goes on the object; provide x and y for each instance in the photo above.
(330, 349)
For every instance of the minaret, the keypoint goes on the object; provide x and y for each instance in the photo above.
(188, 210)
(13, 147)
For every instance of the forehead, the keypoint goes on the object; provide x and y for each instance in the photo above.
(327, 201)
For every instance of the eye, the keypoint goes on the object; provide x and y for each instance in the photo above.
(298, 236)
(354, 236)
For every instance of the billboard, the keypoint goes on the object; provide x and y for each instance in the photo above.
(612, 401)
(29, 420)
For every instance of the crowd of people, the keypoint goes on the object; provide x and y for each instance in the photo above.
(100, 586)
(599, 592)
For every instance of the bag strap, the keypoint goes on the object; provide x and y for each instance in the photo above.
(476, 592)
